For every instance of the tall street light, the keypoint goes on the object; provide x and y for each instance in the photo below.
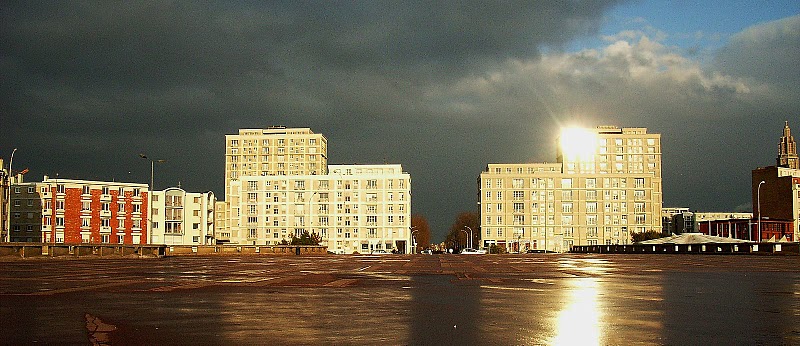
(466, 235)
(470, 237)
(758, 197)
(413, 240)
(7, 235)
(152, 167)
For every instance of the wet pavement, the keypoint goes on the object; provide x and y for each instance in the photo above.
(565, 299)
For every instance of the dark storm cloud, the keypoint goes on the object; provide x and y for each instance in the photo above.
(88, 85)
(442, 88)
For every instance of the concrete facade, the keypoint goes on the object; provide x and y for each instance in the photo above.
(182, 218)
(355, 208)
(605, 185)
(278, 184)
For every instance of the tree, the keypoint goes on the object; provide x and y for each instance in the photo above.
(460, 239)
(646, 235)
(422, 232)
(306, 239)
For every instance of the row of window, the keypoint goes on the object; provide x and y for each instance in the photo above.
(591, 219)
(566, 183)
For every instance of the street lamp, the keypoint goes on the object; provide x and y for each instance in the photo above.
(470, 237)
(758, 197)
(465, 234)
(6, 237)
(413, 240)
(152, 167)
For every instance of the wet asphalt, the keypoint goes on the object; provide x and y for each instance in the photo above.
(554, 299)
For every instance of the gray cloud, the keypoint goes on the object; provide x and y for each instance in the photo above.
(442, 88)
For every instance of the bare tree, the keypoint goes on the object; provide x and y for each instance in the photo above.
(422, 232)
(460, 231)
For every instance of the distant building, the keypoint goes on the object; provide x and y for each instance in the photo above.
(84, 211)
(182, 218)
(26, 212)
(776, 195)
(677, 221)
(605, 185)
(787, 150)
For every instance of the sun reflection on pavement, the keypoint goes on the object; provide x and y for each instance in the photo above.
(578, 323)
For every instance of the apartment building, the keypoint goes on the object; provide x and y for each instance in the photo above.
(275, 151)
(278, 184)
(355, 208)
(605, 185)
(85, 211)
(182, 218)
(25, 212)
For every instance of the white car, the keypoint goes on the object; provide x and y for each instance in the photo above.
(379, 252)
(473, 252)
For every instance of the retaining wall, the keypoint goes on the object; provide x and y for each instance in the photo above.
(708, 248)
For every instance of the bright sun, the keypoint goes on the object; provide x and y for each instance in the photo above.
(578, 144)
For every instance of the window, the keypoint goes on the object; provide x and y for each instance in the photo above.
(105, 190)
(120, 239)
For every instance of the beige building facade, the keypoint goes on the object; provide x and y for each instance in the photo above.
(278, 184)
(355, 208)
(605, 185)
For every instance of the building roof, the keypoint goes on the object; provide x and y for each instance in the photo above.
(691, 238)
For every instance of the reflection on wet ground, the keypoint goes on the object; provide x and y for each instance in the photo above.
(401, 299)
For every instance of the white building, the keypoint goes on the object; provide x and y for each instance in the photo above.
(605, 185)
(355, 208)
(182, 218)
(278, 184)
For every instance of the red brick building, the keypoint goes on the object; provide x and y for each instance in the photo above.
(82, 211)
(747, 229)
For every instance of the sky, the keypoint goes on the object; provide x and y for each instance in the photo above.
(443, 88)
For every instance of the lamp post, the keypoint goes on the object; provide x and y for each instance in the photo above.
(758, 197)
(7, 235)
(465, 234)
(150, 193)
(152, 168)
(413, 240)
(470, 237)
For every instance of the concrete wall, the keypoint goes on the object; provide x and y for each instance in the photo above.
(30, 250)
(710, 248)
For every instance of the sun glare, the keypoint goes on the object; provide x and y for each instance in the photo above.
(578, 144)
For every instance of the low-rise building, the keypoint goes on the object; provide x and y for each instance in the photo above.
(182, 218)
(85, 211)
(776, 195)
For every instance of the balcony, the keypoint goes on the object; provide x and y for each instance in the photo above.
(47, 212)
(105, 198)
(105, 229)
(105, 213)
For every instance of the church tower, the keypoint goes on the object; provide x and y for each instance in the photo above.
(787, 150)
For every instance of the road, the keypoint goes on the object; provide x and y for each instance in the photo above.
(565, 299)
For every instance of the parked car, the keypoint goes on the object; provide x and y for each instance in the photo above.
(427, 252)
(469, 251)
(379, 252)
